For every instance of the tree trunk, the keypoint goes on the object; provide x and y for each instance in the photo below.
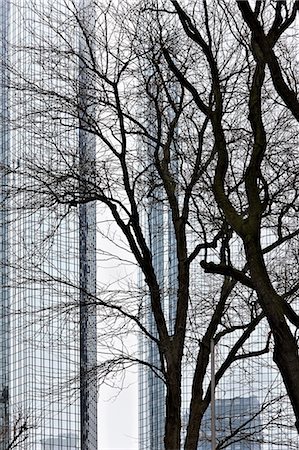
(172, 438)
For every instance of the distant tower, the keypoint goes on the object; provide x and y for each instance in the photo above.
(238, 417)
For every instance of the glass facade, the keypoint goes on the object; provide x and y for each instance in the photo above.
(48, 353)
(151, 387)
(238, 415)
(252, 408)
(4, 317)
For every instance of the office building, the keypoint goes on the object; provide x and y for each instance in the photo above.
(4, 349)
(252, 379)
(239, 417)
(48, 323)
(252, 411)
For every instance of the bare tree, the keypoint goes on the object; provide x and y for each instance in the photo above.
(195, 159)
(247, 221)
(16, 433)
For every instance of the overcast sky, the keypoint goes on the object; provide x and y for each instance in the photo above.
(117, 419)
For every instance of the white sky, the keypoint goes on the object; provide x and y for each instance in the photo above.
(117, 418)
(117, 410)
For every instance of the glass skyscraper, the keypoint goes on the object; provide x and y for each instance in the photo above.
(234, 414)
(48, 319)
(252, 410)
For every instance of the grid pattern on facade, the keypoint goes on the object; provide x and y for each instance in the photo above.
(151, 387)
(266, 420)
(252, 408)
(4, 318)
(46, 245)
